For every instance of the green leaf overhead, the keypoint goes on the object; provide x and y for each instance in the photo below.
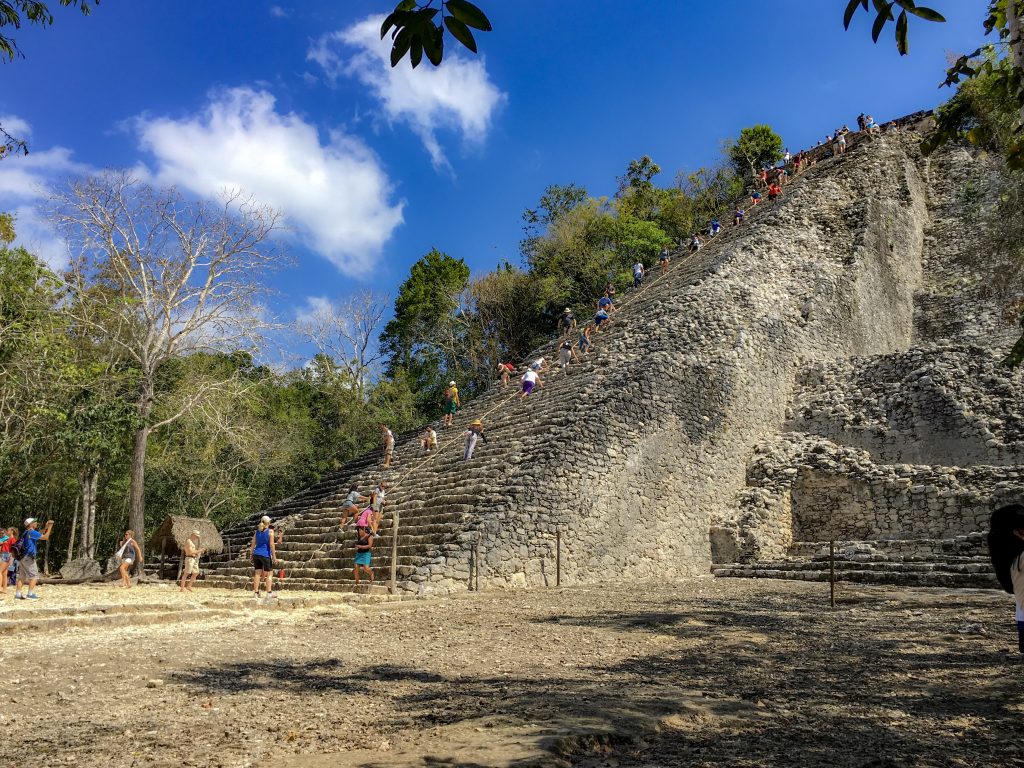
(460, 32)
(468, 14)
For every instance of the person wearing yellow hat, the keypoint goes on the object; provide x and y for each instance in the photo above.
(473, 433)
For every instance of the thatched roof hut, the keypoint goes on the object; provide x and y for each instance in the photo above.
(170, 537)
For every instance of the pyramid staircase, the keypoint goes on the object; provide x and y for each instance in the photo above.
(958, 562)
(439, 498)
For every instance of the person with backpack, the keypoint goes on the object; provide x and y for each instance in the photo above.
(28, 571)
(451, 404)
(505, 369)
(566, 354)
(663, 259)
(262, 551)
(7, 540)
(567, 322)
(126, 557)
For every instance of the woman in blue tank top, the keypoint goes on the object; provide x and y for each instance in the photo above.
(263, 556)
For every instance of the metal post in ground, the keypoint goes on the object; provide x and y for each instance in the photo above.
(394, 552)
(558, 557)
(832, 573)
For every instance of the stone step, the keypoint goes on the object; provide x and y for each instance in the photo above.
(911, 579)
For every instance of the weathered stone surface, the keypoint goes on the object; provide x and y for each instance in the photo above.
(802, 376)
(81, 568)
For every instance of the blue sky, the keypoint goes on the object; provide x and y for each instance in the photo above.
(292, 102)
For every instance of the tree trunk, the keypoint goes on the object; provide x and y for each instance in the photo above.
(85, 548)
(93, 481)
(1013, 24)
(74, 530)
(137, 490)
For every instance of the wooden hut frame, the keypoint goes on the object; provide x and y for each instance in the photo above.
(169, 539)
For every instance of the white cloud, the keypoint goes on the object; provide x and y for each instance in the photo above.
(316, 306)
(25, 182)
(278, 12)
(335, 195)
(457, 95)
(15, 126)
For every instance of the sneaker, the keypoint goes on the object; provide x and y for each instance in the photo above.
(271, 594)
(18, 596)
(256, 595)
(31, 596)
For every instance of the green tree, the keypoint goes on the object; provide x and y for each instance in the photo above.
(423, 341)
(637, 196)
(755, 148)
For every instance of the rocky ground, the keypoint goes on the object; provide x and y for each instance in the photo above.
(701, 672)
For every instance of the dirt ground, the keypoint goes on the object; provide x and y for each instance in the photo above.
(702, 672)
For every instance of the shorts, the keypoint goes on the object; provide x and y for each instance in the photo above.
(262, 563)
(363, 558)
(5, 557)
(27, 569)
(663, 258)
(772, 197)
(191, 566)
(528, 387)
(598, 321)
(450, 407)
(128, 560)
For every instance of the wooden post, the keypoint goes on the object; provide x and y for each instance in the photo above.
(472, 565)
(163, 550)
(46, 558)
(832, 573)
(477, 561)
(394, 552)
(558, 557)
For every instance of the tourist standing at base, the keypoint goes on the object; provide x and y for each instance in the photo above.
(127, 556)
(190, 565)
(473, 433)
(7, 539)
(28, 571)
(263, 556)
(364, 552)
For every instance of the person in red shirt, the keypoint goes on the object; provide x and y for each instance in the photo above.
(505, 369)
(774, 190)
(7, 539)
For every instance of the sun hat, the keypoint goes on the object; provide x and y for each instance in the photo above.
(477, 423)
(265, 519)
(567, 310)
(451, 383)
(196, 533)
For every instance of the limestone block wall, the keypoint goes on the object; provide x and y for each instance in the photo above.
(940, 404)
(653, 448)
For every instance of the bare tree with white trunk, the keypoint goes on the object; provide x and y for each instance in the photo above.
(157, 276)
(347, 332)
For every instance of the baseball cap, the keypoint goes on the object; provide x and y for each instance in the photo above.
(29, 521)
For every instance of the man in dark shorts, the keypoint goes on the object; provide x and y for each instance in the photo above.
(364, 547)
